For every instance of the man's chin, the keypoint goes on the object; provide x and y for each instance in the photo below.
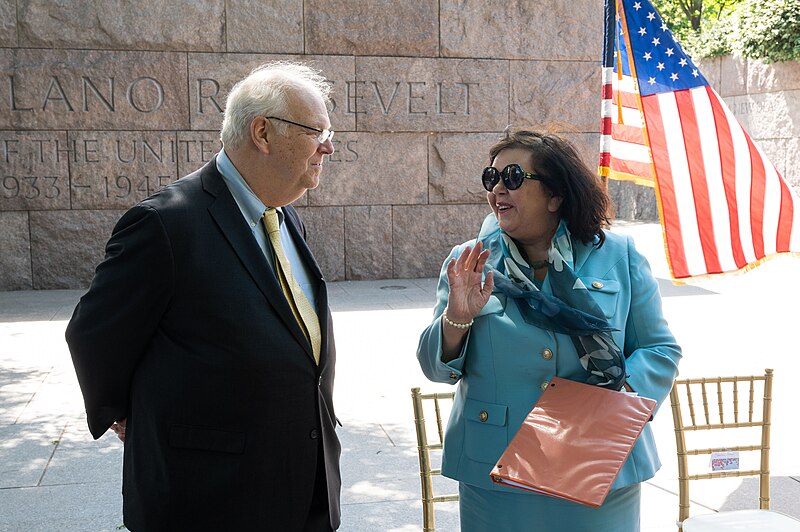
(313, 181)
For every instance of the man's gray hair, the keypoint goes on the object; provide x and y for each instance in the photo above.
(265, 92)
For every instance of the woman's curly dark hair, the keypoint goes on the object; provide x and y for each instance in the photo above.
(586, 206)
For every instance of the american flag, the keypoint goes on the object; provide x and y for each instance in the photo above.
(723, 205)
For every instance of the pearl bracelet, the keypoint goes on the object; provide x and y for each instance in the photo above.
(454, 324)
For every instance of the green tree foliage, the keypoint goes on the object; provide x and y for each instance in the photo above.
(701, 26)
(689, 19)
(768, 29)
(758, 29)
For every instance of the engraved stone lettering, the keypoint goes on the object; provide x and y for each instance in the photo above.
(12, 97)
(55, 84)
(129, 151)
(207, 150)
(208, 94)
(107, 101)
(8, 149)
(141, 106)
(439, 107)
(66, 150)
(352, 97)
(147, 151)
(123, 187)
(29, 187)
(412, 97)
(385, 108)
(158, 152)
(466, 95)
(344, 152)
(90, 154)
(39, 143)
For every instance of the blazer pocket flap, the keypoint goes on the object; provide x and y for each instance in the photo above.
(485, 413)
(603, 286)
(495, 305)
(206, 439)
(605, 293)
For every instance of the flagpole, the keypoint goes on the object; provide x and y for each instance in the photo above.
(609, 31)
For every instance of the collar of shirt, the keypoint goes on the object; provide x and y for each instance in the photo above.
(252, 208)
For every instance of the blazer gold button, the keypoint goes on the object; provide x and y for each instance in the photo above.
(544, 385)
(597, 284)
(453, 375)
(483, 416)
(547, 354)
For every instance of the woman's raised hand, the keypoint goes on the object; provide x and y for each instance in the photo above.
(467, 295)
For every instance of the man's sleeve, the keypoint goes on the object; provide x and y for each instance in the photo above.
(115, 320)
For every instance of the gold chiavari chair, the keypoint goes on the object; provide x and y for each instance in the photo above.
(716, 405)
(424, 446)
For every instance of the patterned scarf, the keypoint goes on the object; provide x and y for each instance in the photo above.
(570, 310)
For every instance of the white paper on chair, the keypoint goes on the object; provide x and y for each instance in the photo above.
(725, 460)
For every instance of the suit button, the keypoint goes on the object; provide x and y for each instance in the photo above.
(544, 385)
(320, 382)
(547, 354)
(453, 375)
(483, 416)
(597, 284)
(313, 434)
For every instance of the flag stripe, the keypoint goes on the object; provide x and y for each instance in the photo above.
(784, 240)
(666, 192)
(710, 148)
(697, 177)
(630, 167)
(757, 199)
(728, 176)
(626, 99)
(628, 133)
(675, 160)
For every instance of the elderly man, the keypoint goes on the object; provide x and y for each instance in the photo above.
(205, 340)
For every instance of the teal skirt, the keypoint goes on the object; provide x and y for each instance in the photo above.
(494, 511)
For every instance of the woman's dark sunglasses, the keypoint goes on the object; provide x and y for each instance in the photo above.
(513, 176)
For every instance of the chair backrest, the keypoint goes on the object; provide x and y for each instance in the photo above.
(716, 405)
(424, 447)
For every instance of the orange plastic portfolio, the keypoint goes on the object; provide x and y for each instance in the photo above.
(574, 442)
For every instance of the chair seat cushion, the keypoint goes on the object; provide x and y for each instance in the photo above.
(742, 520)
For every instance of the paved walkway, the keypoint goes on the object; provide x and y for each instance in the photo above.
(53, 476)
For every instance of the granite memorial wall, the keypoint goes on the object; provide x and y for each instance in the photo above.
(103, 103)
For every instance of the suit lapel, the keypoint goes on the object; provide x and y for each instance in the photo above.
(226, 214)
(580, 253)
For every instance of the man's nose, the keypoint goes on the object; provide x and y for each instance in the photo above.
(327, 147)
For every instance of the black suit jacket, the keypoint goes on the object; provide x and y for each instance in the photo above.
(186, 332)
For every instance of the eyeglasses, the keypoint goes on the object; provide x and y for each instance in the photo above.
(324, 134)
(512, 175)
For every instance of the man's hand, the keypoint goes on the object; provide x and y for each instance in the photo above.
(119, 429)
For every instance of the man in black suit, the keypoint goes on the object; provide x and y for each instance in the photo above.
(192, 346)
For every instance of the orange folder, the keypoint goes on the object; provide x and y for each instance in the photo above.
(574, 442)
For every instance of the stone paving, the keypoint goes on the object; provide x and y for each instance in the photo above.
(53, 476)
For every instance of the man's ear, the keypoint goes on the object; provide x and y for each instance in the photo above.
(260, 133)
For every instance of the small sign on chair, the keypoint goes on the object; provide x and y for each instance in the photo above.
(724, 460)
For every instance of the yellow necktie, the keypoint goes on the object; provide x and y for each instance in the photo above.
(303, 311)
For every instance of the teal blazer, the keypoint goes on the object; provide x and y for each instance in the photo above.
(506, 363)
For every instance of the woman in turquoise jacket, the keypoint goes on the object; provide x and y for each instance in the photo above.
(543, 291)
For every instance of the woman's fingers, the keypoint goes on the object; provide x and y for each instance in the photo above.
(462, 260)
(488, 286)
